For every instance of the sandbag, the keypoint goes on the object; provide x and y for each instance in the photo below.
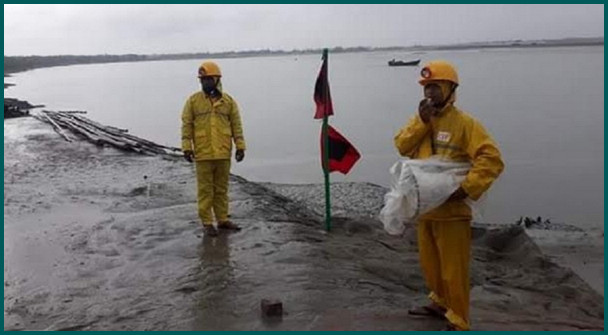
(417, 187)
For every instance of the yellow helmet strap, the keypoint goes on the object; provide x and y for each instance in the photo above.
(445, 101)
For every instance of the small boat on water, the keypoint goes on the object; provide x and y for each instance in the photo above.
(394, 62)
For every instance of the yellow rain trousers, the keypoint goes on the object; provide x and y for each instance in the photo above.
(445, 249)
(209, 127)
(444, 234)
(212, 177)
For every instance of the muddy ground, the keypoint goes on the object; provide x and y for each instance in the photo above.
(96, 239)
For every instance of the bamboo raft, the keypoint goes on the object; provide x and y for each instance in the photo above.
(102, 135)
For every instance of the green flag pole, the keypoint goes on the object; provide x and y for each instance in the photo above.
(326, 155)
(326, 173)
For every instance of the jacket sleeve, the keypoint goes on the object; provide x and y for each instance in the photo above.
(237, 127)
(187, 126)
(486, 162)
(409, 138)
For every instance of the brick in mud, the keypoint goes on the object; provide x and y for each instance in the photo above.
(271, 307)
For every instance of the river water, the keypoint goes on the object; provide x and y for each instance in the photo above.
(544, 106)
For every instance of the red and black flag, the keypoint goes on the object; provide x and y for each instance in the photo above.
(337, 154)
(322, 96)
(342, 154)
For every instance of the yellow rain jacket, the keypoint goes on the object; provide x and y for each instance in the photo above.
(209, 127)
(445, 248)
(444, 234)
(455, 136)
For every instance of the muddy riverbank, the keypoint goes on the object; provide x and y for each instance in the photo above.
(97, 239)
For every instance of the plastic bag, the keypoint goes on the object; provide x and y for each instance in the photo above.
(417, 187)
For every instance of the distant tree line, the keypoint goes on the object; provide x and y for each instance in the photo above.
(14, 64)
(23, 63)
(17, 64)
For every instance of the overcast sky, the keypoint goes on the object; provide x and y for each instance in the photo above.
(145, 29)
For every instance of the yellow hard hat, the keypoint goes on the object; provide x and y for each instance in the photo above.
(438, 70)
(209, 69)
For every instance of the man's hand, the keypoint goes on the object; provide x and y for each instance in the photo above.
(188, 155)
(239, 155)
(426, 110)
(459, 194)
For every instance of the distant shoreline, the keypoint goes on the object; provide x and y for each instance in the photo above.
(15, 64)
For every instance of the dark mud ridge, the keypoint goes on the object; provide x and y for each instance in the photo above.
(16, 108)
(90, 244)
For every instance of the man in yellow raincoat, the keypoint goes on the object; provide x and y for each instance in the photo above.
(210, 123)
(444, 234)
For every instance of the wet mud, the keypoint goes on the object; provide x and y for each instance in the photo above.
(96, 239)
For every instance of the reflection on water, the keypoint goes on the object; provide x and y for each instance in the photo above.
(215, 277)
